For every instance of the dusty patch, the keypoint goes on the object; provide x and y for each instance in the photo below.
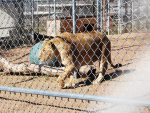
(126, 48)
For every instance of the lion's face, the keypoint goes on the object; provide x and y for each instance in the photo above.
(47, 52)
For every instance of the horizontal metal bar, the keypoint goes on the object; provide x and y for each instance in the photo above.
(64, 5)
(41, 13)
(114, 100)
(7, 27)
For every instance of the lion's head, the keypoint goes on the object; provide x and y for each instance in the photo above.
(47, 51)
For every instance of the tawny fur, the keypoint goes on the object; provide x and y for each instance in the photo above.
(76, 50)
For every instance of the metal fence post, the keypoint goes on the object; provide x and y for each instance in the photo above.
(37, 10)
(54, 17)
(49, 9)
(99, 15)
(32, 19)
(108, 16)
(132, 16)
(74, 15)
(21, 16)
(119, 16)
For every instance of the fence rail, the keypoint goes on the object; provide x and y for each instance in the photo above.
(115, 100)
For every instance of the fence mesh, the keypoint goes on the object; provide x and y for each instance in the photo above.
(35, 55)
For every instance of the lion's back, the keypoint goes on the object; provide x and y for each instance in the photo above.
(82, 38)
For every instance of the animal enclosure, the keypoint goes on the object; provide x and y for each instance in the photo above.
(24, 23)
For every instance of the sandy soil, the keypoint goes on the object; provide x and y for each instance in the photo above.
(126, 49)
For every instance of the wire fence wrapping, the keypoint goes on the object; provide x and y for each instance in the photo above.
(34, 30)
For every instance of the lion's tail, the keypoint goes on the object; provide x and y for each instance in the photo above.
(116, 65)
(108, 49)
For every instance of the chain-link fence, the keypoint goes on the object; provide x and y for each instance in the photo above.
(57, 56)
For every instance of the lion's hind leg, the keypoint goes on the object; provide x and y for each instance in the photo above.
(102, 71)
(103, 65)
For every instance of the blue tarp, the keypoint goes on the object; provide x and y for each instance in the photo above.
(34, 53)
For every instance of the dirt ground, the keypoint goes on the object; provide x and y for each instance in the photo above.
(126, 49)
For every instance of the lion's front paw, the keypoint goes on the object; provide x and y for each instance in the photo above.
(99, 79)
(71, 83)
(61, 82)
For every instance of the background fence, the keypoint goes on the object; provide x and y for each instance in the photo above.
(125, 22)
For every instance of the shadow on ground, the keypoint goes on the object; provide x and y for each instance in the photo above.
(107, 77)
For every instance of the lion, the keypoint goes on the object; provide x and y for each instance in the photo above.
(76, 50)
